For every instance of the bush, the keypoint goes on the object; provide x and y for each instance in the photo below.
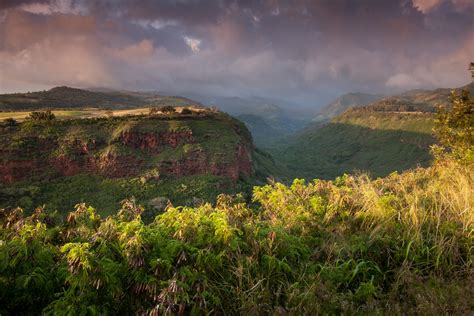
(10, 122)
(42, 116)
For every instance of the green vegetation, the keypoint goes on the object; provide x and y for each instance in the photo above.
(456, 127)
(42, 116)
(402, 244)
(379, 143)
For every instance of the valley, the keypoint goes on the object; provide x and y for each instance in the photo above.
(342, 211)
(229, 157)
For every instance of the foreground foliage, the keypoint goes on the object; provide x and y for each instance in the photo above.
(400, 244)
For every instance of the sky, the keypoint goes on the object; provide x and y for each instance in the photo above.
(302, 51)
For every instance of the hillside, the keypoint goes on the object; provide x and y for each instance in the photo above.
(182, 157)
(70, 98)
(345, 102)
(379, 143)
(390, 134)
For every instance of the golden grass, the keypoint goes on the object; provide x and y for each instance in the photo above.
(89, 113)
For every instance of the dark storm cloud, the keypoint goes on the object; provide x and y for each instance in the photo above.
(301, 50)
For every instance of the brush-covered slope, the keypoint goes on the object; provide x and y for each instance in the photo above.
(66, 98)
(377, 142)
(104, 160)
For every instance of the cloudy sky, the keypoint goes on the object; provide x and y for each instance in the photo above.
(300, 50)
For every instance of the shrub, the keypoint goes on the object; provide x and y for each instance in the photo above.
(10, 122)
(42, 116)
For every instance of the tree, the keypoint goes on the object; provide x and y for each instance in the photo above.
(168, 109)
(186, 111)
(153, 111)
(455, 127)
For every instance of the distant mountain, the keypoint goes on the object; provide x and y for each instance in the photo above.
(345, 102)
(66, 98)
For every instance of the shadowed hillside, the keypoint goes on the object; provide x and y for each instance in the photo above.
(378, 143)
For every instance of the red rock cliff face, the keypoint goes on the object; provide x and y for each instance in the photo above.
(85, 157)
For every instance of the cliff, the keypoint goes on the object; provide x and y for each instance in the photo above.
(121, 147)
(102, 161)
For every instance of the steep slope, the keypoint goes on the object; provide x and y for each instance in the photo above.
(345, 102)
(106, 160)
(66, 98)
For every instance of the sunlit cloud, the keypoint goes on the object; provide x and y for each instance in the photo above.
(193, 43)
